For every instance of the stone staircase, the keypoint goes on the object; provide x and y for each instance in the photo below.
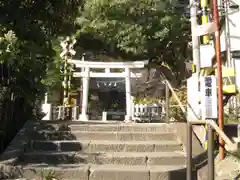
(102, 152)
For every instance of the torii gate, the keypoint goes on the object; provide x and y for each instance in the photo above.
(86, 73)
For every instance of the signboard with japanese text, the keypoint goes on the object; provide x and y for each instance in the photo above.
(208, 91)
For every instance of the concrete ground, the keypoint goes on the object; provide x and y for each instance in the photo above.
(228, 169)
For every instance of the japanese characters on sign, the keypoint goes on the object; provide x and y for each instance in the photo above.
(208, 86)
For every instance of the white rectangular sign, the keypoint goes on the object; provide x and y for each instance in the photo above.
(193, 108)
(206, 28)
(207, 52)
(208, 87)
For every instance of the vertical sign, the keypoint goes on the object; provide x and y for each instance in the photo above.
(208, 86)
(193, 109)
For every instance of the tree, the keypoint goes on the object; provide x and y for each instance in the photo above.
(29, 38)
(37, 20)
(35, 25)
(145, 28)
(29, 32)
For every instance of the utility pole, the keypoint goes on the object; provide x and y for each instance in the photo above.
(195, 37)
(219, 77)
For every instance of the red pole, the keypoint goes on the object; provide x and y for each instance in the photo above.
(219, 78)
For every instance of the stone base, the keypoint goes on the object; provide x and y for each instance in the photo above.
(47, 110)
(104, 116)
(83, 117)
(128, 119)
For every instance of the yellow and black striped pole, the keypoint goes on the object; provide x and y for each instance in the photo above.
(205, 18)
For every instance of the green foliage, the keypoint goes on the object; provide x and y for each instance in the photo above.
(53, 77)
(175, 110)
(27, 63)
(48, 175)
(144, 28)
(37, 26)
(38, 20)
(231, 117)
(145, 100)
(29, 32)
(29, 42)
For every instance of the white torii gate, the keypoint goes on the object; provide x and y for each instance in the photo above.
(86, 74)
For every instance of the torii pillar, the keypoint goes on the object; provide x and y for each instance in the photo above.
(85, 88)
(128, 116)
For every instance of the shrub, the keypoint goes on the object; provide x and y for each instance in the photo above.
(175, 110)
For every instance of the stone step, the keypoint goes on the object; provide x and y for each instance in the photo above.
(107, 146)
(100, 135)
(143, 127)
(125, 158)
(121, 127)
(106, 172)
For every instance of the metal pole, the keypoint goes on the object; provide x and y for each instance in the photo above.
(195, 38)
(219, 77)
(189, 151)
(166, 102)
(210, 154)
